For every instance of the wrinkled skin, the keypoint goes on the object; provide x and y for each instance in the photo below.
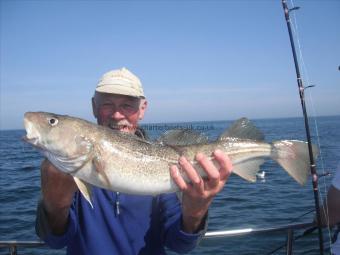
(123, 113)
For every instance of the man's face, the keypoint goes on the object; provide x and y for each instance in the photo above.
(118, 111)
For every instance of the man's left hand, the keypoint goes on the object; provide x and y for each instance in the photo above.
(199, 192)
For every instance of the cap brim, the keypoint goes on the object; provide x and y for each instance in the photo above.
(120, 90)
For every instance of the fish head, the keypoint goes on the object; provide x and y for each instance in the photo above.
(59, 137)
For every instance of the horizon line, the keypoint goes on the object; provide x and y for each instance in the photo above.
(195, 121)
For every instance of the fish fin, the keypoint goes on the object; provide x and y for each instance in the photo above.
(179, 195)
(100, 168)
(248, 169)
(244, 129)
(179, 149)
(85, 189)
(181, 137)
(293, 156)
(129, 136)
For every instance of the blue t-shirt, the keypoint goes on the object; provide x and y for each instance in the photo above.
(121, 224)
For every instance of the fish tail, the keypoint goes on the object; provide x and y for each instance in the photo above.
(293, 156)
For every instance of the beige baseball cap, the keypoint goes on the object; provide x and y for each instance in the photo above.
(122, 82)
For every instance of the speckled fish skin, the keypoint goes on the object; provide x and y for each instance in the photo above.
(122, 162)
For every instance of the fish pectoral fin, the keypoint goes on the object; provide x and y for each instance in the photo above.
(247, 169)
(99, 165)
(85, 189)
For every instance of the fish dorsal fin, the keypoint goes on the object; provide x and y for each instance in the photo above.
(181, 137)
(130, 136)
(85, 189)
(244, 129)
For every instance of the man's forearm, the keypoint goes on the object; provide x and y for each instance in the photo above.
(57, 195)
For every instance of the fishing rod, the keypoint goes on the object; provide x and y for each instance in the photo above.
(310, 150)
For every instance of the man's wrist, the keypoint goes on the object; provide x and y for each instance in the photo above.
(57, 218)
(194, 225)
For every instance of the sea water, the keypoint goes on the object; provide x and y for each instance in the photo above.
(273, 201)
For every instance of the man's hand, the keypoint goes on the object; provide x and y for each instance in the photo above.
(198, 195)
(57, 194)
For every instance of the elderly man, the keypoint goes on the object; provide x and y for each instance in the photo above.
(122, 223)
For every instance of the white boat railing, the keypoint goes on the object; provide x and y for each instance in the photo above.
(13, 245)
(247, 231)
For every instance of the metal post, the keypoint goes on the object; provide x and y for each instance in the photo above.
(290, 240)
(13, 250)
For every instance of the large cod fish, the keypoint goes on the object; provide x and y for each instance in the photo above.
(122, 162)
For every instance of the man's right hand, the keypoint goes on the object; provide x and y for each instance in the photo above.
(57, 194)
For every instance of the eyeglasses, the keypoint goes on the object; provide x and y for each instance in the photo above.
(126, 108)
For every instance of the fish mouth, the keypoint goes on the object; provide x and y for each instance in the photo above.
(32, 135)
(33, 140)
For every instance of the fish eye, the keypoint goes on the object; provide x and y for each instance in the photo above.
(53, 121)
